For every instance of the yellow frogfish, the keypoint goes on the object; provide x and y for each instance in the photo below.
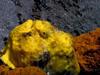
(38, 42)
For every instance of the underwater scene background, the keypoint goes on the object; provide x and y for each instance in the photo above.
(81, 18)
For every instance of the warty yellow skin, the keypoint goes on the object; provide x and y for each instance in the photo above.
(28, 41)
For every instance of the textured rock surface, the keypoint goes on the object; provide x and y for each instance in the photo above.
(75, 16)
(88, 52)
(41, 44)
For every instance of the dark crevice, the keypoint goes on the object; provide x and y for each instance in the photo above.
(76, 32)
(5, 40)
(49, 20)
(1, 62)
(43, 60)
(19, 15)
